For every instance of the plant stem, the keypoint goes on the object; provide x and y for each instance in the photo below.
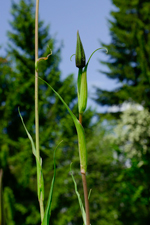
(86, 199)
(36, 102)
(85, 189)
(80, 118)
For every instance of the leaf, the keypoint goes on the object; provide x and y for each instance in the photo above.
(40, 180)
(80, 132)
(79, 199)
(47, 213)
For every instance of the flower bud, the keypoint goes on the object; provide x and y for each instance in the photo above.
(80, 55)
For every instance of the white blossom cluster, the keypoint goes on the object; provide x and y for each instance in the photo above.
(133, 133)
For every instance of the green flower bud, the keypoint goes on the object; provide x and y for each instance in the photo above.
(80, 55)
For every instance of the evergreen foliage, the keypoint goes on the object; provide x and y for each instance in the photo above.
(129, 58)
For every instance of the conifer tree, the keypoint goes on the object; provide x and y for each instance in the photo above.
(129, 54)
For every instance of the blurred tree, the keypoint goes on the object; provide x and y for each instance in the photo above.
(5, 87)
(132, 135)
(129, 65)
(129, 57)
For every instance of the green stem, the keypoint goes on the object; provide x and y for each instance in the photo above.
(80, 118)
(36, 102)
(87, 210)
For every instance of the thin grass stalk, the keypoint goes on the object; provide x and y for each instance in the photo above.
(36, 102)
(87, 210)
(36, 82)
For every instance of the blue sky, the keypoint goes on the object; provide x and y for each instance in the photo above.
(65, 18)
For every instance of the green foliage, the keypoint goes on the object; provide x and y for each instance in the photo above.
(1, 199)
(9, 206)
(129, 61)
(79, 199)
(40, 180)
(47, 213)
(132, 137)
(103, 178)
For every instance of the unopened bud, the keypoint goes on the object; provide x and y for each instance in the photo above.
(80, 55)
